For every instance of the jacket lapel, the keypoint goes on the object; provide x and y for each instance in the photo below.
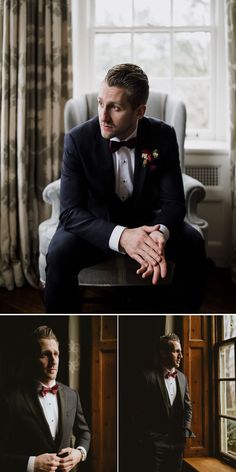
(140, 173)
(181, 386)
(104, 163)
(62, 414)
(163, 390)
(32, 400)
(144, 142)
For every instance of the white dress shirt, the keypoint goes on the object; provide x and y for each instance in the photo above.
(171, 387)
(50, 408)
(124, 164)
(49, 405)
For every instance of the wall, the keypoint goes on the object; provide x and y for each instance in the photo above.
(211, 165)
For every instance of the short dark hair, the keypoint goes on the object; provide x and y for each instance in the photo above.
(41, 332)
(133, 79)
(164, 343)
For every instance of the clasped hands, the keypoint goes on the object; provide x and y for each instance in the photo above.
(146, 245)
(52, 462)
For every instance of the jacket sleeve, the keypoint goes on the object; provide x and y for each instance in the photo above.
(170, 201)
(80, 428)
(9, 461)
(76, 216)
(188, 413)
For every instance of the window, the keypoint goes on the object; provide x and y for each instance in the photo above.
(227, 389)
(177, 42)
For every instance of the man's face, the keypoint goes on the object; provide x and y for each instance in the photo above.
(47, 360)
(174, 356)
(116, 116)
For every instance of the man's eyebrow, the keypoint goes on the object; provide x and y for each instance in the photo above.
(111, 102)
(47, 351)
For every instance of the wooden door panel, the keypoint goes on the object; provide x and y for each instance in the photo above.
(104, 393)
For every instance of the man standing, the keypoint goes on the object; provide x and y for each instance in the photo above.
(162, 420)
(122, 190)
(38, 419)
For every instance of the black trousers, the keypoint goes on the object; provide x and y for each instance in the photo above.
(163, 455)
(68, 254)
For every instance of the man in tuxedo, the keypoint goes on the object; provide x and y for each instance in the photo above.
(38, 418)
(162, 419)
(122, 190)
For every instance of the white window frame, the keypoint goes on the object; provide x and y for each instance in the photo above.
(83, 12)
(226, 457)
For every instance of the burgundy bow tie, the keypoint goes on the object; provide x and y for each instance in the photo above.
(46, 390)
(116, 145)
(170, 374)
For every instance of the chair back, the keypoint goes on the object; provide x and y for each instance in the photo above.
(160, 105)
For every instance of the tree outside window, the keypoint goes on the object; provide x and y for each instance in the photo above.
(227, 389)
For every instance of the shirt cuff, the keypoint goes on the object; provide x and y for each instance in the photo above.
(115, 238)
(30, 465)
(164, 230)
(81, 448)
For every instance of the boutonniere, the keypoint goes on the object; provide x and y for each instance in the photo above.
(149, 157)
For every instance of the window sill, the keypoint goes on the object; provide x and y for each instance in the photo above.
(206, 147)
(205, 464)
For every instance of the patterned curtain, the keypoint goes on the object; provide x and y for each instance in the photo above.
(74, 351)
(231, 43)
(35, 82)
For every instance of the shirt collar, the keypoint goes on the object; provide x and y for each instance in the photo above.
(165, 370)
(132, 135)
(41, 384)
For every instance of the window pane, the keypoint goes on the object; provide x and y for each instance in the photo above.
(228, 436)
(190, 12)
(110, 49)
(228, 398)
(152, 52)
(161, 85)
(196, 96)
(192, 54)
(227, 361)
(229, 326)
(152, 13)
(109, 13)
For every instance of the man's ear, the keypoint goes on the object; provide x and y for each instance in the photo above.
(141, 111)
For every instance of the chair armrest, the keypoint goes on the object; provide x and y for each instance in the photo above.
(51, 195)
(47, 228)
(194, 194)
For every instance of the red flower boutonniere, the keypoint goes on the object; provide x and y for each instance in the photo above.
(149, 157)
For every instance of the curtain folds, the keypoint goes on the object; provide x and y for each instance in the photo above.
(231, 46)
(35, 82)
(74, 352)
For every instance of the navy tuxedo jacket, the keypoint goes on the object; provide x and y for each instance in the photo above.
(24, 431)
(88, 182)
(152, 410)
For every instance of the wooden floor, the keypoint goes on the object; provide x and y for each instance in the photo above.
(220, 298)
(21, 300)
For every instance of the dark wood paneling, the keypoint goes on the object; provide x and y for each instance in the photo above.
(108, 328)
(196, 368)
(197, 326)
(104, 397)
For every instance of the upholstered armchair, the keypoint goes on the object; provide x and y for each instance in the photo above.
(160, 105)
